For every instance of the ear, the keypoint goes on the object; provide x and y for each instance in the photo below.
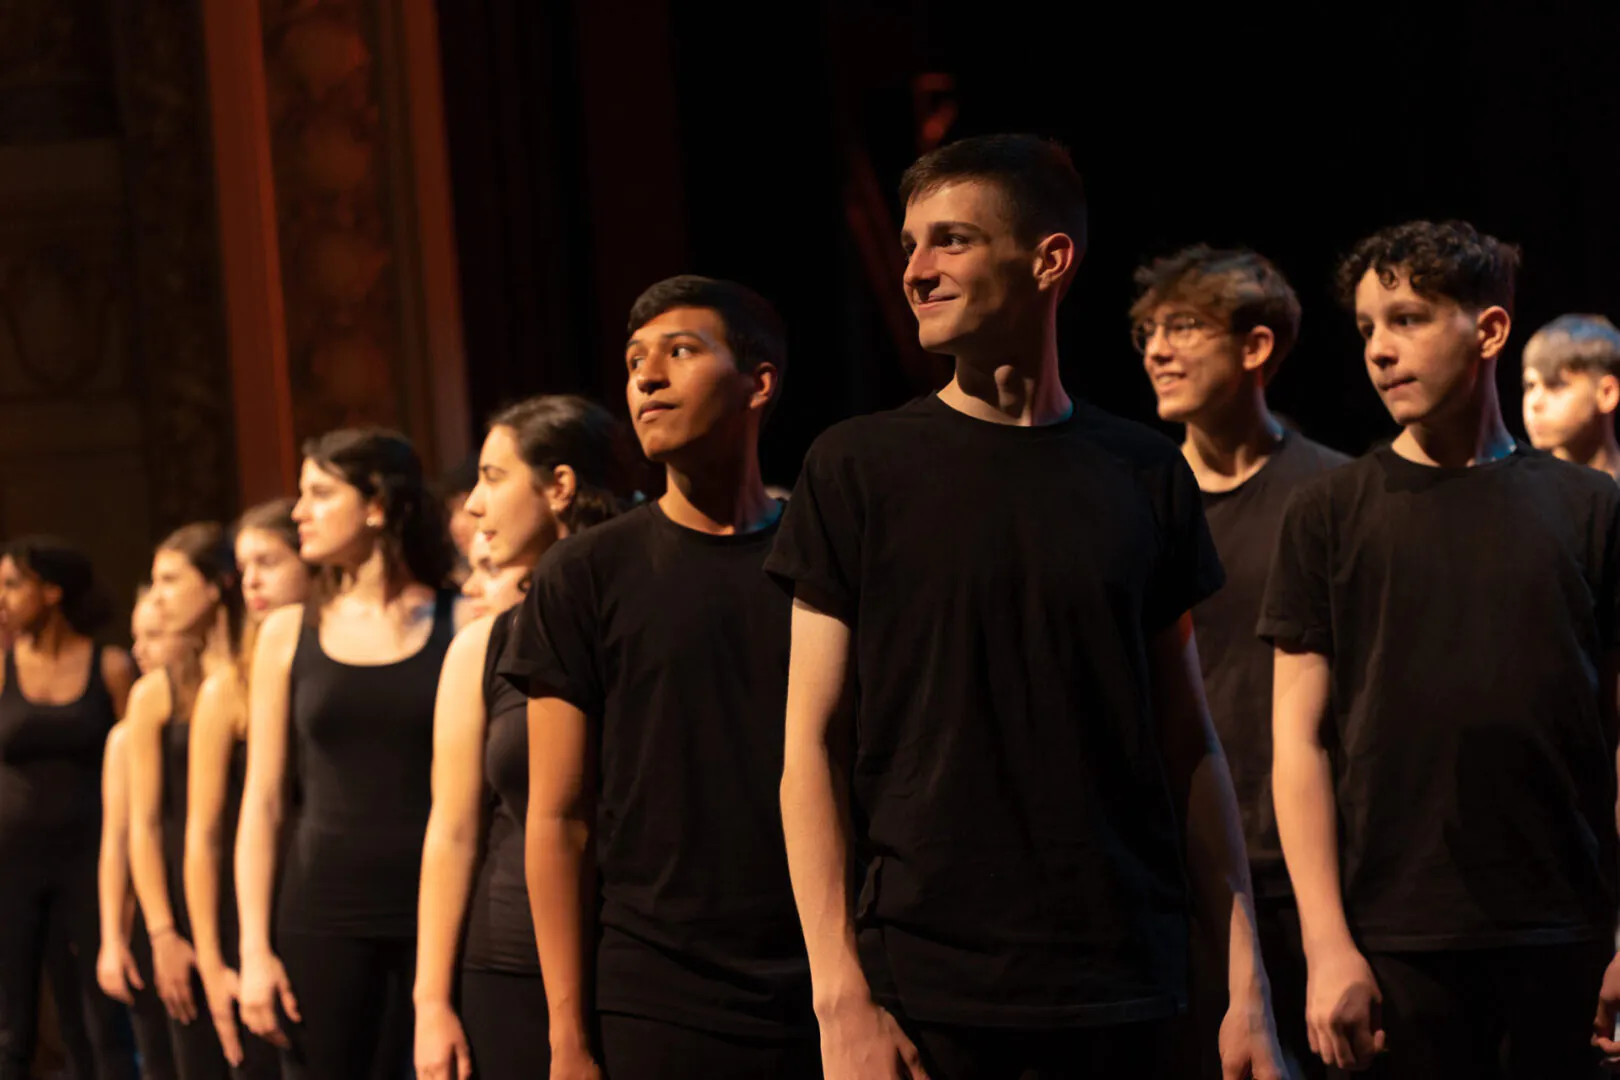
(1258, 345)
(51, 594)
(1055, 260)
(376, 517)
(1492, 327)
(560, 492)
(766, 382)
(1608, 394)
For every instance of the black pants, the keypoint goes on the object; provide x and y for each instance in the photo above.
(48, 919)
(635, 1048)
(354, 997)
(151, 1020)
(199, 1056)
(1141, 1051)
(1490, 1014)
(504, 1017)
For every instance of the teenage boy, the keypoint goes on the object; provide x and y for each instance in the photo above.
(1572, 388)
(996, 579)
(1213, 326)
(654, 652)
(1443, 610)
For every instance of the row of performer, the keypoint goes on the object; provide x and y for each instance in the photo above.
(1016, 742)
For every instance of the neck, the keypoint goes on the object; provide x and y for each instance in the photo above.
(371, 581)
(1471, 435)
(1228, 445)
(1601, 452)
(52, 638)
(722, 498)
(1018, 384)
(217, 653)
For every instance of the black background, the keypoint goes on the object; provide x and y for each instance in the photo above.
(743, 126)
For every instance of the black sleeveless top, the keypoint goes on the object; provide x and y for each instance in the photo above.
(363, 736)
(500, 930)
(50, 768)
(176, 778)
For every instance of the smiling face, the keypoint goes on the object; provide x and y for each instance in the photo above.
(1193, 362)
(684, 388)
(1425, 355)
(968, 279)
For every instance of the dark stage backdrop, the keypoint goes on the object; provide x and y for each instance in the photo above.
(598, 145)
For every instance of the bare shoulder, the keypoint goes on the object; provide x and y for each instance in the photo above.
(117, 667)
(472, 640)
(278, 634)
(150, 700)
(219, 700)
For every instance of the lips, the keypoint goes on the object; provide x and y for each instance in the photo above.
(1397, 384)
(653, 409)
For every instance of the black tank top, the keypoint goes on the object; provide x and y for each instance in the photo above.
(364, 747)
(500, 930)
(50, 768)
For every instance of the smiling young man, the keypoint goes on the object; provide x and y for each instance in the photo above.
(1444, 779)
(996, 580)
(654, 653)
(1213, 326)
(1572, 389)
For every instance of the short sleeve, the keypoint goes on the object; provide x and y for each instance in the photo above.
(1188, 569)
(817, 551)
(552, 649)
(1297, 607)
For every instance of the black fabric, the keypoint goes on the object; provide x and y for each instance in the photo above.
(50, 770)
(348, 989)
(364, 746)
(1490, 1014)
(1141, 1051)
(49, 921)
(675, 645)
(199, 1056)
(1236, 664)
(1023, 857)
(504, 1018)
(638, 1048)
(176, 757)
(500, 928)
(148, 1017)
(1466, 613)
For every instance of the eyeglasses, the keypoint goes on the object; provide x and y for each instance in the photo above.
(1180, 331)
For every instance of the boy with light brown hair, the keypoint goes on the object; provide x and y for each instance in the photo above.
(1572, 389)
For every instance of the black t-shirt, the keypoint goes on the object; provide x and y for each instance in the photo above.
(1023, 857)
(675, 644)
(1236, 664)
(1466, 614)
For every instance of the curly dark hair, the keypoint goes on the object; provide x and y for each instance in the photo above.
(58, 562)
(383, 465)
(1240, 286)
(1450, 260)
(1036, 176)
(565, 429)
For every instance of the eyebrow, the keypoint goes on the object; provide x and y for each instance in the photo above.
(671, 335)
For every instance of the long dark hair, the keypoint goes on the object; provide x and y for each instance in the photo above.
(565, 429)
(383, 465)
(207, 547)
(57, 562)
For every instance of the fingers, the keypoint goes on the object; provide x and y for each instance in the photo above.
(463, 1062)
(118, 991)
(230, 1037)
(132, 975)
(910, 1057)
(289, 1003)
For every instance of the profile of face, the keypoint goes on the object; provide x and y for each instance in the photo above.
(684, 387)
(515, 518)
(332, 517)
(1424, 355)
(492, 588)
(968, 278)
(462, 523)
(25, 600)
(272, 574)
(1195, 364)
(182, 596)
(153, 646)
(1566, 407)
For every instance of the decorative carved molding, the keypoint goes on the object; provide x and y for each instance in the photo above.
(178, 327)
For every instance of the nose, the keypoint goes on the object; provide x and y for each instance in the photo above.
(921, 274)
(1379, 350)
(475, 501)
(1157, 349)
(300, 512)
(651, 374)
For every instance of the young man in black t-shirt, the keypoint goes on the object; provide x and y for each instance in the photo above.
(654, 653)
(1213, 326)
(1444, 612)
(995, 581)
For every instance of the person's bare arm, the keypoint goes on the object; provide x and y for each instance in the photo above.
(264, 983)
(118, 675)
(115, 966)
(214, 724)
(1608, 1010)
(450, 852)
(859, 1039)
(1341, 1014)
(560, 871)
(1217, 860)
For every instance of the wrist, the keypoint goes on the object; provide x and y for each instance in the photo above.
(831, 997)
(155, 934)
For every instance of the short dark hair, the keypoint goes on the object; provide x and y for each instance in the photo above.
(1043, 191)
(383, 465)
(754, 330)
(1450, 260)
(55, 561)
(1241, 286)
(1574, 343)
(565, 429)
